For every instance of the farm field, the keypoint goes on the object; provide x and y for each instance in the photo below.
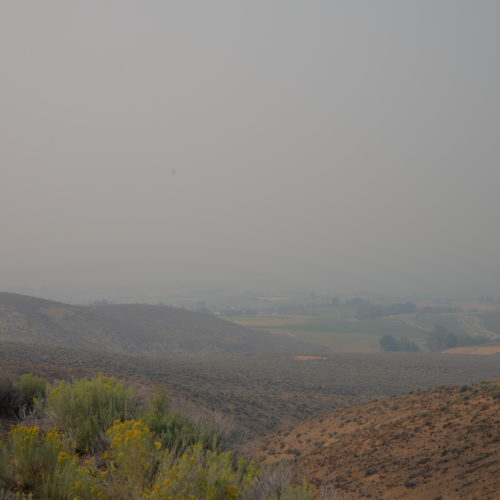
(338, 330)
(329, 329)
(337, 341)
(450, 321)
(492, 321)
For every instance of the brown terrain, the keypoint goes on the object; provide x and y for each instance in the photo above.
(480, 350)
(438, 444)
(262, 393)
(138, 329)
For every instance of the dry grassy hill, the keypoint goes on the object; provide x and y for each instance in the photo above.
(438, 444)
(137, 329)
(264, 392)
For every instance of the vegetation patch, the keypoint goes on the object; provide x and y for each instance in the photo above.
(125, 451)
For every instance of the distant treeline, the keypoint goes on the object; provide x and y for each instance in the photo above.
(440, 339)
(363, 308)
(371, 311)
(389, 343)
(437, 340)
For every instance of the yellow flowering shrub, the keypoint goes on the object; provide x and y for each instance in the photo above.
(133, 453)
(137, 465)
(203, 475)
(46, 464)
(86, 408)
(34, 455)
(174, 460)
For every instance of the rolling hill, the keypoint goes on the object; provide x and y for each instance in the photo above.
(262, 392)
(136, 329)
(442, 443)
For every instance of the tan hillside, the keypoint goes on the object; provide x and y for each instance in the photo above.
(138, 329)
(439, 444)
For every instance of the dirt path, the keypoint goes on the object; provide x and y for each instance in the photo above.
(474, 326)
(414, 324)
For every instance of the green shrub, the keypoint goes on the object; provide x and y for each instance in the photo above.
(45, 464)
(87, 408)
(33, 454)
(9, 398)
(158, 402)
(32, 390)
(303, 492)
(136, 465)
(202, 474)
(175, 431)
(8, 495)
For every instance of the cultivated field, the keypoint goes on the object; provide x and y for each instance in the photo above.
(337, 328)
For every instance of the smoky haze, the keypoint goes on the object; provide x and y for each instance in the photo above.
(325, 145)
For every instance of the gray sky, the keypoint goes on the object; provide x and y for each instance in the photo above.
(325, 145)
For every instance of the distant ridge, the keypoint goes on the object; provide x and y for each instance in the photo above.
(136, 329)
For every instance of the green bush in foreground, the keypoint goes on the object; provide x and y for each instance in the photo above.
(98, 452)
(134, 467)
(44, 463)
(87, 408)
(9, 398)
(175, 431)
(32, 390)
(7, 495)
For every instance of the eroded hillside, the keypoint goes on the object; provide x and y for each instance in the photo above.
(437, 444)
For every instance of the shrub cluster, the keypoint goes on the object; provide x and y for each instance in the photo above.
(23, 396)
(87, 408)
(389, 343)
(101, 449)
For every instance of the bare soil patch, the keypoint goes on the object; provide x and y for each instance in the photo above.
(308, 358)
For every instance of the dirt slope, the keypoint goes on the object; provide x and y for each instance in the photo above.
(440, 444)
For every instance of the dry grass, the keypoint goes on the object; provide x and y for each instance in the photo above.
(263, 321)
(479, 350)
(434, 444)
(308, 358)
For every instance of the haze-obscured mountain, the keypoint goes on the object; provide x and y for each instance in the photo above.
(137, 329)
(443, 443)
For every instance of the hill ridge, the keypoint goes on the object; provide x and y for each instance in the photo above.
(442, 443)
(132, 329)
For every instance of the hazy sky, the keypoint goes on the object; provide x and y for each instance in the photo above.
(316, 145)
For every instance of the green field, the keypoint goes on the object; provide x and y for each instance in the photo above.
(338, 329)
(341, 341)
(331, 328)
(492, 321)
(449, 321)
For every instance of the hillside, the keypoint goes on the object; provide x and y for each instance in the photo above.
(438, 444)
(263, 392)
(137, 329)
(142, 387)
